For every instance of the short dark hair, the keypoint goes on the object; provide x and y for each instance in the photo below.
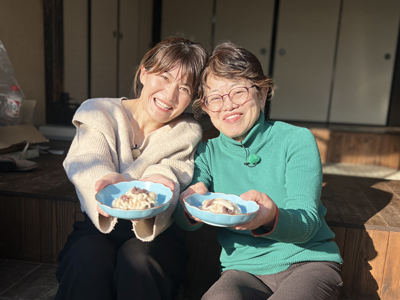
(191, 57)
(233, 62)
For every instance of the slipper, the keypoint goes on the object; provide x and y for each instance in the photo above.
(9, 163)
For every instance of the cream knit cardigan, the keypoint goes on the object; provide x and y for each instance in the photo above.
(104, 143)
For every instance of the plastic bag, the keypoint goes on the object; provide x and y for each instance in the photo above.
(11, 94)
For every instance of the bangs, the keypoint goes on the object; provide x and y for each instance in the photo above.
(189, 65)
(173, 53)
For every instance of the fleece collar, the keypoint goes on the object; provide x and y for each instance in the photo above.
(258, 129)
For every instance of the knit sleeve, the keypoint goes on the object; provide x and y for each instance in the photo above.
(299, 217)
(89, 158)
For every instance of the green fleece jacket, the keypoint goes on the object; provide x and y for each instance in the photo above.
(290, 173)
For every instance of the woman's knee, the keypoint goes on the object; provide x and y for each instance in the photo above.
(158, 254)
(325, 273)
(88, 254)
(86, 269)
(312, 280)
(133, 253)
(331, 272)
(235, 284)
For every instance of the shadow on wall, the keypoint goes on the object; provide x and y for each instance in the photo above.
(360, 212)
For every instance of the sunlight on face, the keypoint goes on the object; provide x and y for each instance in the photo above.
(235, 121)
(165, 96)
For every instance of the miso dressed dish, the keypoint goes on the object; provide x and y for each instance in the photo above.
(221, 206)
(136, 198)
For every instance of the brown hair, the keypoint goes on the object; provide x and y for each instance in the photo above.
(233, 62)
(191, 58)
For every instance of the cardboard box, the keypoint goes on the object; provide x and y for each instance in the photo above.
(14, 138)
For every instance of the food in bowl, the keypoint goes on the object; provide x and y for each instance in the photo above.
(136, 198)
(221, 206)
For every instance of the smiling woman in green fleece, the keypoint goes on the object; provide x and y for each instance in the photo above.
(287, 251)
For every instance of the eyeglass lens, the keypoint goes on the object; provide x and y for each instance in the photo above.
(237, 96)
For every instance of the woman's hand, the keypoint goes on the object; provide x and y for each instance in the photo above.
(160, 179)
(266, 214)
(199, 188)
(108, 179)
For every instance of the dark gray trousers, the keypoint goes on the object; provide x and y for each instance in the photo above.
(119, 266)
(301, 281)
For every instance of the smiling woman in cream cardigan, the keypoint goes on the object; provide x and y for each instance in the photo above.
(147, 138)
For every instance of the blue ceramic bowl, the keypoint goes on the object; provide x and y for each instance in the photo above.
(194, 201)
(106, 196)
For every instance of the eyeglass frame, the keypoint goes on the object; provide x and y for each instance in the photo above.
(222, 97)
